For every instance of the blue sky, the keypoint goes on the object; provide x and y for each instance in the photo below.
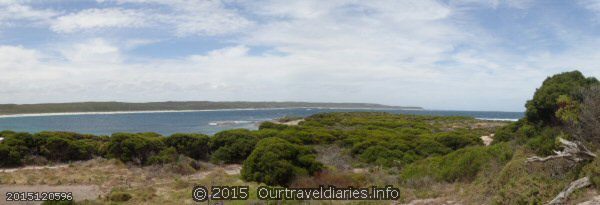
(447, 54)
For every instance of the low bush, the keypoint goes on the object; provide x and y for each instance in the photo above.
(429, 148)
(272, 125)
(463, 164)
(276, 161)
(545, 143)
(165, 156)
(381, 155)
(457, 139)
(184, 166)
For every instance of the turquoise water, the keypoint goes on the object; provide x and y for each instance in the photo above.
(207, 122)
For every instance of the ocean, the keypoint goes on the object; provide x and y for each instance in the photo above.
(206, 121)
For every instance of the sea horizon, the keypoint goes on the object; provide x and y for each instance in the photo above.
(207, 121)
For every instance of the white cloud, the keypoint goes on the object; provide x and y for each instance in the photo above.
(422, 52)
(12, 11)
(593, 5)
(193, 17)
(136, 42)
(98, 19)
(93, 51)
(518, 4)
(353, 50)
(16, 58)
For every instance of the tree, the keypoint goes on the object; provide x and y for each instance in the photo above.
(276, 161)
(544, 105)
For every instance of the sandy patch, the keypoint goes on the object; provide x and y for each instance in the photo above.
(487, 139)
(231, 169)
(360, 170)
(290, 123)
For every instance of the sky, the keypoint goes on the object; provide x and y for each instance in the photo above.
(446, 54)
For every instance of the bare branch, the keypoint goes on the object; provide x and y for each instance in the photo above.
(573, 151)
(563, 195)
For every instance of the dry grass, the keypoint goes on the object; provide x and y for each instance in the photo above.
(146, 185)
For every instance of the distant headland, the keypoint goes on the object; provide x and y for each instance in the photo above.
(13, 109)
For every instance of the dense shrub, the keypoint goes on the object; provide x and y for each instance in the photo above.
(375, 138)
(232, 146)
(32, 142)
(5, 133)
(395, 140)
(462, 164)
(544, 105)
(137, 148)
(61, 149)
(381, 155)
(195, 146)
(545, 142)
(10, 156)
(431, 148)
(55, 146)
(457, 139)
(506, 133)
(520, 131)
(165, 156)
(304, 135)
(271, 125)
(22, 140)
(276, 161)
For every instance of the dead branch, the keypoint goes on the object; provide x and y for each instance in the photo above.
(563, 195)
(573, 151)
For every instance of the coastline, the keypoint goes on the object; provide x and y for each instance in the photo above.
(177, 111)
(3, 116)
